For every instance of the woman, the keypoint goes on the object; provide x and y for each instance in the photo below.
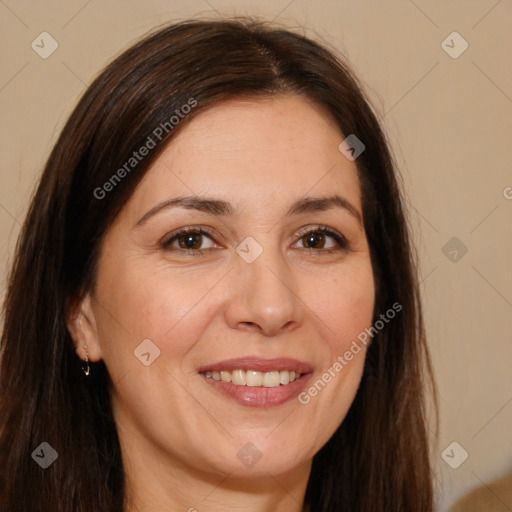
(214, 302)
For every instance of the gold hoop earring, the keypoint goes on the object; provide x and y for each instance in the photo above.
(86, 369)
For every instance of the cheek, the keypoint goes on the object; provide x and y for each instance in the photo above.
(169, 308)
(344, 306)
(344, 303)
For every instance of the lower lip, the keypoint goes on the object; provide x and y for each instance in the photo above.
(260, 396)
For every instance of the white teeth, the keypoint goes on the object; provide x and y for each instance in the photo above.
(254, 378)
(271, 379)
(238, 377)
(225, 376)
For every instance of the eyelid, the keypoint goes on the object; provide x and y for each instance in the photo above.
(341, 239)
(196, 229)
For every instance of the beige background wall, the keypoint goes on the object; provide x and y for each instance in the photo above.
(450, 123)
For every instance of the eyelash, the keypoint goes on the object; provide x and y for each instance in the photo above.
(342, 242)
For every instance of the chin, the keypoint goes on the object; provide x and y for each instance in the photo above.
(242, 458)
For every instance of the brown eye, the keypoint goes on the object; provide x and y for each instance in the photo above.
(323, 238)
(190, 241)
(314, 240)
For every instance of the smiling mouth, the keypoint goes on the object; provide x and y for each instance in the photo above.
(258, 382)
(254, 378)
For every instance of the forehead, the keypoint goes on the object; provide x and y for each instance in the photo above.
(247, 151)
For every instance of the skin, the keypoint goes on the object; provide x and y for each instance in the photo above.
(179, 436)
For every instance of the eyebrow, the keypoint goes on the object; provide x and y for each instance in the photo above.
(219, 207)
(320, 204)
(203, 204)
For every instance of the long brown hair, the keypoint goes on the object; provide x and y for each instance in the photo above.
(378, 459)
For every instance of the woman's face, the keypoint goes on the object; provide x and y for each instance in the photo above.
(256, 290)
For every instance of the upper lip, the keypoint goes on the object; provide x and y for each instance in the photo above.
(259, 364)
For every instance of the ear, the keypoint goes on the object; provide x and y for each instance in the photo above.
(81, 324)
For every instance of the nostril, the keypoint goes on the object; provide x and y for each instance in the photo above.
(254, 326)
(248, 325)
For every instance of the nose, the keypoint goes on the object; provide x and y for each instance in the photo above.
(264, 297)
